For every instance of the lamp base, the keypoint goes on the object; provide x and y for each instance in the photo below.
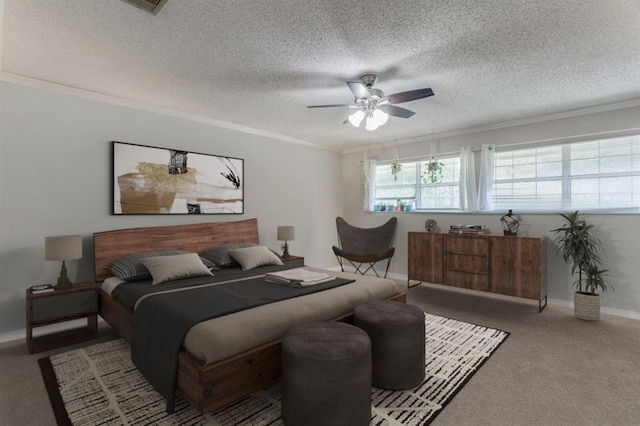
(285, 250)
(63, 279)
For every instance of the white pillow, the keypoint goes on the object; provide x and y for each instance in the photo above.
(167, 268)
(252, 257)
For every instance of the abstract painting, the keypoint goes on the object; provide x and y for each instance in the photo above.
(148, 180)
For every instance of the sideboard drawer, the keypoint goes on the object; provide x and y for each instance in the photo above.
(467, 280)
(467, 263)
(478, 246)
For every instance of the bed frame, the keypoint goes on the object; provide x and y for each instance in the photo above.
(209, 387)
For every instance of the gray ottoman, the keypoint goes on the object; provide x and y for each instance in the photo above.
(397, 338)
(326, 375)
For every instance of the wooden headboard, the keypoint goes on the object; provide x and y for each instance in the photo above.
(110, 245)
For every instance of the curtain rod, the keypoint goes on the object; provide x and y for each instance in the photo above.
(425, 157)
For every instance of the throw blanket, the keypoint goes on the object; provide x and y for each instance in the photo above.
(162, 320)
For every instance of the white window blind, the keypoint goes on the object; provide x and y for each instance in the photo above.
(601, 174)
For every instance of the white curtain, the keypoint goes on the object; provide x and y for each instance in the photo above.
(485, 185)
(368, 182)
(468, 191)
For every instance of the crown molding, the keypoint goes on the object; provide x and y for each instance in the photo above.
(128, 103)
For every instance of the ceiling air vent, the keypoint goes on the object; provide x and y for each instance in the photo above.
(151, 6)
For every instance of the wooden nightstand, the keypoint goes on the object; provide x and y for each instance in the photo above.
(299, 259)
(81, 301)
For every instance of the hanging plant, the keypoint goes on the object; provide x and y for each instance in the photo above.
(434, 171)
(396, 168)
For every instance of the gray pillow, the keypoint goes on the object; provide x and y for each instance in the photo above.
(219, 256)
(167, 268)
(130, 268)
(252, 257)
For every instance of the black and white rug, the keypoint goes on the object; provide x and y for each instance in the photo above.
(98, 384)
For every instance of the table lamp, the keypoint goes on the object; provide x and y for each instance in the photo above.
(63, 247)
(286, 233)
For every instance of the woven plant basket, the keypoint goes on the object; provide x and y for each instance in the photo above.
(587, 306)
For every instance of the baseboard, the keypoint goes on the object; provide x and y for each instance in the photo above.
(603, 309)
(556, 302)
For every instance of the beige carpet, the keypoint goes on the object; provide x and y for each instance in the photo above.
(552, 370)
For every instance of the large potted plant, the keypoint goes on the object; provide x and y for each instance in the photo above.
(577, 245)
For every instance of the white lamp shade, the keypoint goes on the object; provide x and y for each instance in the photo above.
(380, 116)
(63, 247)
(371, 123)
(356, 118)
(286, 233)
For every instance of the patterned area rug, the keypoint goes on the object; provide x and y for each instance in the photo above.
(99, 385)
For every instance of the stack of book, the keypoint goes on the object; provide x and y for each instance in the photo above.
(298, 277)
(467, 229)
(41, 288)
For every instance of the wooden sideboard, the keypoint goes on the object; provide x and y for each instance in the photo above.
(509, 265)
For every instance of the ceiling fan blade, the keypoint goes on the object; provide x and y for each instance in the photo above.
(397, 111)
(359, 90)
(411, 95)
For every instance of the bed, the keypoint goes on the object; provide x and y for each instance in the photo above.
(246, 354)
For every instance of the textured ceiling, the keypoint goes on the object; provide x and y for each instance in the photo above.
(259, 63)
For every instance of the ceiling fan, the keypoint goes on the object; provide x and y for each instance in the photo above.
(374, 106)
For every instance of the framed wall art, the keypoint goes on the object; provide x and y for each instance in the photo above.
(148, 180)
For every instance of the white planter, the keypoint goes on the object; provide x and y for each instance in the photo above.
(587, 306)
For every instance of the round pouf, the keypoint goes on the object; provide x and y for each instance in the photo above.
(397, 337)
(326, 375)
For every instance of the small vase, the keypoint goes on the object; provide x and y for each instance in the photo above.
(587, 306)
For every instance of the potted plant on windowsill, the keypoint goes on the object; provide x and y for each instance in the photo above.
(577, 245)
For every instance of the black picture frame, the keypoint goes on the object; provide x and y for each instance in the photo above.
(150, 180)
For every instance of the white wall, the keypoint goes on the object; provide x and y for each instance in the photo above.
(55, 178)
(619, 233)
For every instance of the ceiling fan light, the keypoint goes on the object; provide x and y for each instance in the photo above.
(380, 117)
(371, 123)
(356, 118)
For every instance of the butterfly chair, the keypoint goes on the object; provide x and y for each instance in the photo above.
(364, 247)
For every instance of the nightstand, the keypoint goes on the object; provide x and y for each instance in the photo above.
(298, 259)
(80, 301)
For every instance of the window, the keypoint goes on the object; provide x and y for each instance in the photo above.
(418, 186)
(601, 174)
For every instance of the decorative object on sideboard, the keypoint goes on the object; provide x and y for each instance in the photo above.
(149, 180)
(431, 225)
(63, 247)
(510, 223)
(578, 246)
(468, 229)
(286, 233)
